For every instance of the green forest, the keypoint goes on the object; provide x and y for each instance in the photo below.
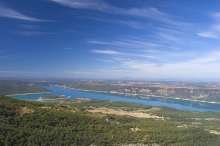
(9, 88)
(69, 123)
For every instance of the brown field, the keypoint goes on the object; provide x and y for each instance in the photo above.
(137, 114)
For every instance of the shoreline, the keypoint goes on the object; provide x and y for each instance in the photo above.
(27, 93)
(130, 94)
(40, 99)
(140, 97)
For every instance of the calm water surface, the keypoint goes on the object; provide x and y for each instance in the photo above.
(158, 101)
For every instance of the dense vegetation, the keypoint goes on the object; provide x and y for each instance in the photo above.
(7, 89)
(69, 123)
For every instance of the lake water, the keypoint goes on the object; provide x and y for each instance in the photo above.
(153, 101)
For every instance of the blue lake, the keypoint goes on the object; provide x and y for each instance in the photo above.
(153, 101)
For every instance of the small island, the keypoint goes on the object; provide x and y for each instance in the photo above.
(53, 97)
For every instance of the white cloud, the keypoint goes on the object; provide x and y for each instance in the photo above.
(103, 60)
(14, 56)
(162, 50)
(3, 57)
(206, 66)
(110, 52)
(143, 66)
(216, 27)
(150, 12)
(11, 56)
(83, 4)
(134, 24)
(172, 36)
(19, 72)
(146, 12)
(30, 27)
(152, 51)
(169, 37)
(9, 13)
(208, 34)
(216, 15)
(209, 58)
(126, 43)
(202, 67)
(213, 30)
(143, 55)
(29, 33)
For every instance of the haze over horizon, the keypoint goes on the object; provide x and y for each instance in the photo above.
(110, 39)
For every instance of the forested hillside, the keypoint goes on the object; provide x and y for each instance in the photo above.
(7, 89)
(75, 123)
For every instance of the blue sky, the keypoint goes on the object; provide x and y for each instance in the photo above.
(110, 39)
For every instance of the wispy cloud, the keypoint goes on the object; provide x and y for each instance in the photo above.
(83, 4)
(130, 23)
(213, 30)
(29, 30)
(9, 13)
(102, 60)
(143, 55)
(152, 51)
(110, 52)
(207, 65)
(3, 57)
(169, 37)
(140, 48)
(29, 33)
(200, 67)
(133, 24)
(216, 15)
(209, 34)
(19, 72)
(132, 64)
(28, 26)
(126, 43)
(32, 33)
(146, 12)
(101, 6)
(210, 57)
(12, 56)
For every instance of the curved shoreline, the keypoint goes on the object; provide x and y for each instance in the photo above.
(41, 99)
(130, 94)
(27, 93)
(160, 101)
